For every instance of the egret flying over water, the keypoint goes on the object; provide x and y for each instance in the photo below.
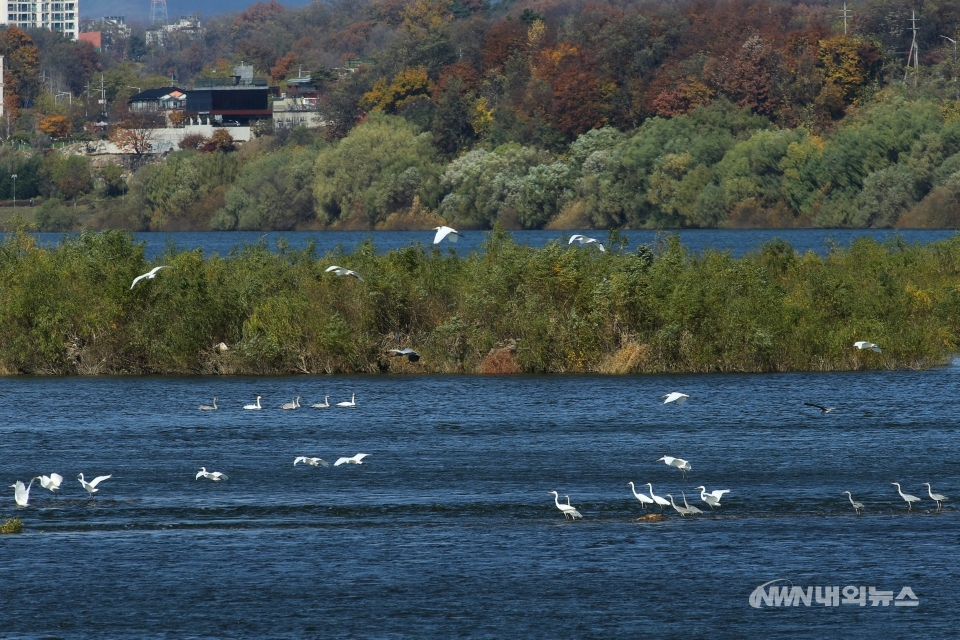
(862, 344)
(150, 275)
(207, 407)
(51, 482)
(216, 476)
(294, 404)
(906, 496)
(20, 493)
(313, 462)
(644, 500)
(322, 405)
(660, 501)
(568, 511)
(676, 396)
(91, 486)
(582, 239)
(712, 498)
(679, 463)
(446, 232)
(340, 271)
(252, 407)
(935, 496)
(357, 459)
(856, 505)
(351, 403)
(412, 355)
(822, 408)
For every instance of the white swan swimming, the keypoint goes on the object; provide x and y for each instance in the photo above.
(253, 406)
(322, 405)
(207, 407)
(91, 486)
(351, 403)
(294, 404)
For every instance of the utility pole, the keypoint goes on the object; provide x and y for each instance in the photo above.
(914, 53)
(846, 14)
(103, 98)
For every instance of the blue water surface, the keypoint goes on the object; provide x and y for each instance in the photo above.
(449, 529)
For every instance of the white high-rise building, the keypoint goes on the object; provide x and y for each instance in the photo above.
(56, 16)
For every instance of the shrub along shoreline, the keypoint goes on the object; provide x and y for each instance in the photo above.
(510, 308)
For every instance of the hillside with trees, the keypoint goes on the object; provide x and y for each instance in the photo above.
(556, 113)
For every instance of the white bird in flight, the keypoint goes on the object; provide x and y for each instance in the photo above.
(294, 404)
(357, 459)
(660, 501)
(22, 494)
(207, 407)
(856, 505)
(906, 496)
(568, 511)
(446, 232)
(712, 498)
(862, 344)
(676, 396)
(51, 482)
(340, 271)
(216, 476)
(412, 355)
(150, 275)
(251, 407)
(322, 405)
(822, 408)
(644, 500)
(935, 496)
(351, 403)
(313, 462)
(679, 463)
(91, 486)
(582, 239)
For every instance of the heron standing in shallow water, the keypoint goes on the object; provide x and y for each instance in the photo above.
(906, 496)
(856, 505)
(936, 496)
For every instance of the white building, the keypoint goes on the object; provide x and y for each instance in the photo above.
(56, 16)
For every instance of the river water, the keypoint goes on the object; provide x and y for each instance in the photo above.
(736, 241)
(449, 529)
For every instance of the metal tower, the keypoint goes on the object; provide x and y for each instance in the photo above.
(158, 12)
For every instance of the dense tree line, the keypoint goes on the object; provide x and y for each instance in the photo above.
(564, 113)
(508, 308)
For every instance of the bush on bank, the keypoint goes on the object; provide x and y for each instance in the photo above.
(555, 309)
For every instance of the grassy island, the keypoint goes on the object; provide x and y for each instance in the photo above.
(506, 309)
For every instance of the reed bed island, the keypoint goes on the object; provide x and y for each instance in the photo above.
(70, 309)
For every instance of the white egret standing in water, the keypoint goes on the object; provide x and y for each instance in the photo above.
(644, 500)
(660, 501)
(712, 498)
(906, 496)
(568, 511)
(856, 505)
(935, 496)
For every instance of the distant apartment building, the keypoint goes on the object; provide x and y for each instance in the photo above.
(187, 26)
(56, 16)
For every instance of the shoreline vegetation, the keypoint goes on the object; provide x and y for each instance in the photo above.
(69, 310)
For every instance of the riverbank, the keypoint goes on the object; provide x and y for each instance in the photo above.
(510, 308)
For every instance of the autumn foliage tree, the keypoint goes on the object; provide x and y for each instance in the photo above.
(55, 126)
